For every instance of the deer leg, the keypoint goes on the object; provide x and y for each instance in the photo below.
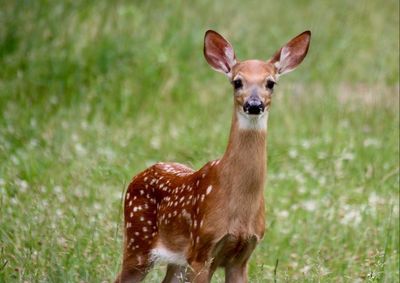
(134, 269)
(236, 273)
(175, 274)
(200, 272)
(131, 276)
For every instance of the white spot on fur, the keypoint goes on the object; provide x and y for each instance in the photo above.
(209, 189)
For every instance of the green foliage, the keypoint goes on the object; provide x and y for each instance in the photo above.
(93, 92)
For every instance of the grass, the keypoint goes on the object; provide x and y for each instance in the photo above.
(93, 92)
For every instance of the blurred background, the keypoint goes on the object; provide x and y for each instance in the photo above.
(92, 92)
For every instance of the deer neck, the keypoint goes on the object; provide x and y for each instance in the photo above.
(243, 166)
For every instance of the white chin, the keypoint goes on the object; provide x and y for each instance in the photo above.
(252, 122)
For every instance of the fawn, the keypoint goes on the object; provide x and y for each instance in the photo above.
(197, 221)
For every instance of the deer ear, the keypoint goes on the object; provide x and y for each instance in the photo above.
(292, 54)
(219, 52)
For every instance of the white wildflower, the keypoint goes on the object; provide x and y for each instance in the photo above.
(348, 156)
(323, 271)
(371, 142)
(96, 206)
(74, 137)
(155, 143)
(322, 155)
(59, 213)
(33, 143)
(375, 200)
(84, 125)
(302, 190)
(300, 178)
(351, 217)
(306, 269)
(174, 132)
(293, 153)
(108, 153)
(344, 123)
(283, 214)
(33, 123)
(322, 180)
(310, 205)
(14, 160)
(22, 184)
(79, 149)
(306, 144)
(57, 189)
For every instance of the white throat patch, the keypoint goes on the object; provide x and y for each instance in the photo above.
(252, 122)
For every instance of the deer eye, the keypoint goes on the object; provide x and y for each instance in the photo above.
(270, 84)
(237, 84)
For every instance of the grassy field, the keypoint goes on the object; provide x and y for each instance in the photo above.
(93, 92)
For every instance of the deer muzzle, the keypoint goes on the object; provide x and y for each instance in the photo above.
(253, 106)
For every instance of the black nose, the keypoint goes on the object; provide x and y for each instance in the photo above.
(253, 106)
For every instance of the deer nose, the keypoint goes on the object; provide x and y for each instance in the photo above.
(253, 106)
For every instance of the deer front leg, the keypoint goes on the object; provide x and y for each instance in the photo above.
(236, 273)
(200, 272)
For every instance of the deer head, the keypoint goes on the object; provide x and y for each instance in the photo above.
(253, 81)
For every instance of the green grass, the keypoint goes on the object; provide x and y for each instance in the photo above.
(93, 92)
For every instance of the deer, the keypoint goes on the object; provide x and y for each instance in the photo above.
(198, 221)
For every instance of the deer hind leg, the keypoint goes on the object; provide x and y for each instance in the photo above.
(141, 232)
(134, 268)
(175, 274)
(131, 276)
